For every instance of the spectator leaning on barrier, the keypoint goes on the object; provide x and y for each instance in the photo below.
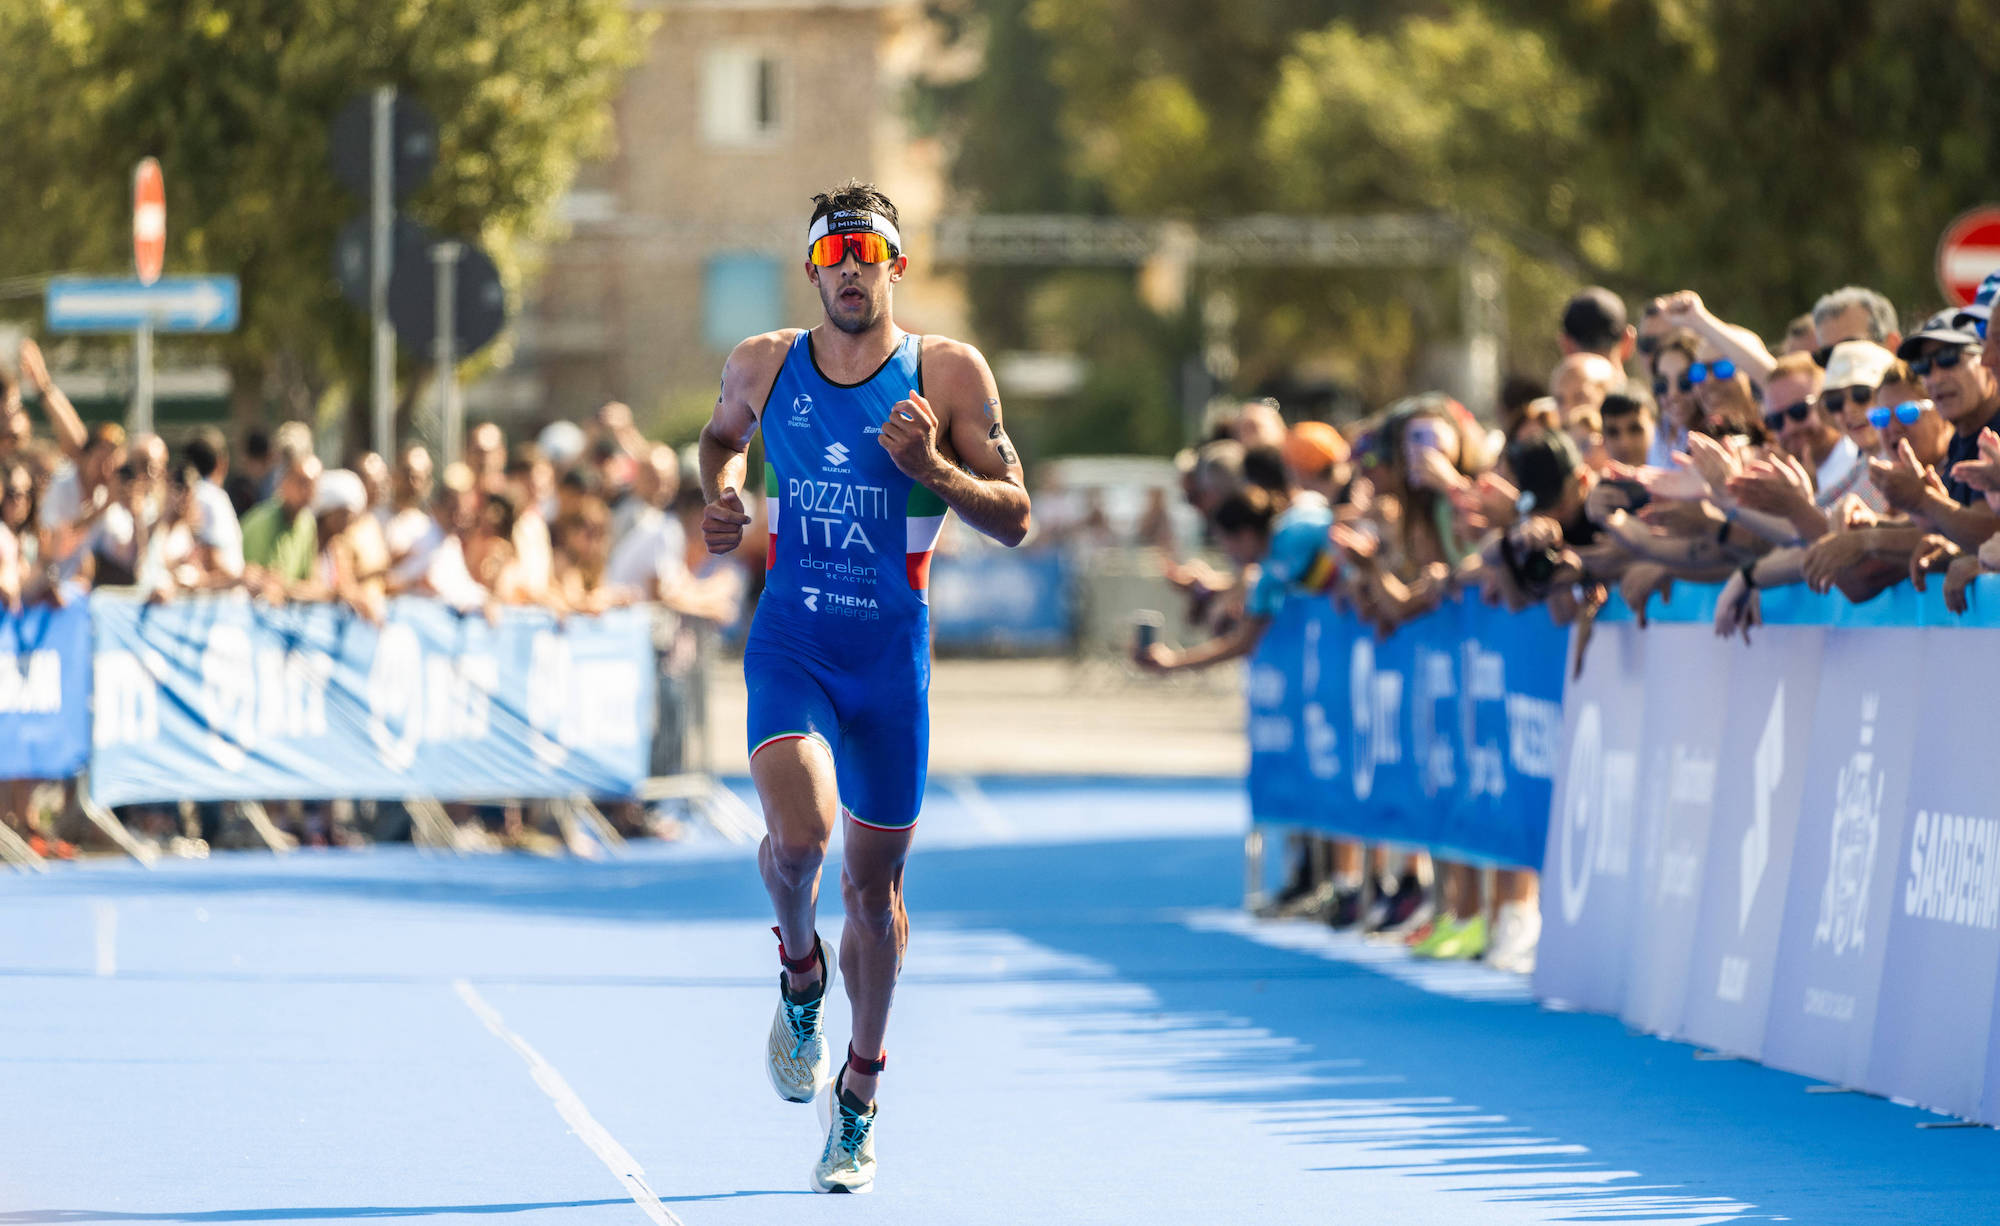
(1967, 395)
(1629, 427)
(1856, 372)
(1799, 336)
(1674, 390)
(1593, 321)
(407, 527)
(646, 561)
(218, 536)
(280, 536)
(1850, 313)
(583, 537)
(246, 484)
(353, 561)
(486, 456)
(530, 486)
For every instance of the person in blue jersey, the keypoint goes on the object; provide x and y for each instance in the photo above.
(871, 436)
(1293, 549)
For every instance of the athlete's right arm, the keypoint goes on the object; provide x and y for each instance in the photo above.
(746, 381)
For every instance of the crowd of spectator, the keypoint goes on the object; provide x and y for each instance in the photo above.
(577, 521)
(1853, 458)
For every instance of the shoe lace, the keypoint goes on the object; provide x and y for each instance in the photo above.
(850, 1133)
(802, 1019)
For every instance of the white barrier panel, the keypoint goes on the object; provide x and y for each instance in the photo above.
(1788, 851)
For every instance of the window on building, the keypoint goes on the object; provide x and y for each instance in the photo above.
(741, 295)
(741, 97)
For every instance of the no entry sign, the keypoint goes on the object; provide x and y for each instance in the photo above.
(149, 220)
(1968, 251)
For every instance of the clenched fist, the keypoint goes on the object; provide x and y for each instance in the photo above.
(723, 521)
(910, 437)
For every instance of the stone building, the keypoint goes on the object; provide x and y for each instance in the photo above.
(691, 235)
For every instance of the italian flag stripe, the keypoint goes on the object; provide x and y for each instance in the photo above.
(923, 519)
(772, 502)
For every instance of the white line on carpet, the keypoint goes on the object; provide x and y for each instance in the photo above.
(614, 1156)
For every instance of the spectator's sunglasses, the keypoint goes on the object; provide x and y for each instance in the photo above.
(1697, 375)
(1906, 412)
(1833, 399)
(1775, 420)
(1944, 359)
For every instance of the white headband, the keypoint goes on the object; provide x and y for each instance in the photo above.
(854, 221)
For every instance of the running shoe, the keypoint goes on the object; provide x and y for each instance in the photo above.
(1466, 940)
(1428, 937)
(1400, 907)
(1311, 904)
(847, 1164)
(1517, 929)
(795, 1054)
(1344, 911)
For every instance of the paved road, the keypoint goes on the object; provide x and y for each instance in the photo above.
(1089, 1032)
(1060, 717)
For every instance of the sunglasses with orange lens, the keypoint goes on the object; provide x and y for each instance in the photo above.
(867, 247)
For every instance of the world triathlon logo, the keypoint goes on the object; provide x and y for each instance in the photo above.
(802, 407)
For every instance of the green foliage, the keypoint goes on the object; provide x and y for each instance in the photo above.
(1761, 153)
(235, 97)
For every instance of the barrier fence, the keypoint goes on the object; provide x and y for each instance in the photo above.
(222, 698)
(217, 698)
(1787, 851)
(1444, 734)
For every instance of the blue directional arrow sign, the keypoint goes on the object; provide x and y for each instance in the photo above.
(171, 304)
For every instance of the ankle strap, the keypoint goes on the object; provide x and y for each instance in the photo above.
(867, 1068)
(798, 966)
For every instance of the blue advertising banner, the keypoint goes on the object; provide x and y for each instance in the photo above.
(999, 599)
(1589, 894)
(44, 691)
(1278, 784)
(217, 698)
(1444, 734)
(1766, 730)
(1828, 964)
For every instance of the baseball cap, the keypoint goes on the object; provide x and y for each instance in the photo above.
(1314, 446)
(1858, 364)
(1973, 318)
(339, 490)
(1543, 463)
(1594, 318)
(1938, 327)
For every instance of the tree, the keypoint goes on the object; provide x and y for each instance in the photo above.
(235, 97)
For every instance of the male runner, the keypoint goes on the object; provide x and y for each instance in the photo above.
(870, 434)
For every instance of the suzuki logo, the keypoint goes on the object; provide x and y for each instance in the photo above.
(836, 455)
(812, 598)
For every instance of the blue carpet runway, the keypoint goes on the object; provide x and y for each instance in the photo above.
(1089, 1031)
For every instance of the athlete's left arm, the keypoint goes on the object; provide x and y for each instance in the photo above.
(961, 419)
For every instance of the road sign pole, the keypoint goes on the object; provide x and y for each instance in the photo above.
(141, 421)
(444, 257)
(382, 217)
